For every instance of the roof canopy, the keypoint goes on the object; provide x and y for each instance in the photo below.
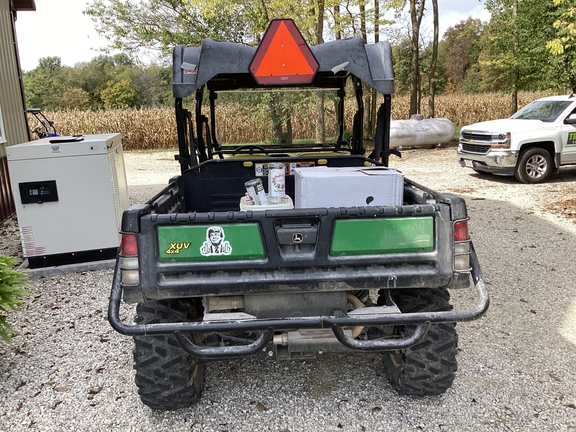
(226, 65)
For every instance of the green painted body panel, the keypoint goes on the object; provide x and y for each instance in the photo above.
(382, 236)
(210, 243)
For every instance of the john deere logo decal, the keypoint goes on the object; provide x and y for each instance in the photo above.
(175, 248)
(215, 243)
(571, 138)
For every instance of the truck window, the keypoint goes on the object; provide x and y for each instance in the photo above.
(546, 111)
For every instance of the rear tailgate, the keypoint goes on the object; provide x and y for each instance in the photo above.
(323, 249)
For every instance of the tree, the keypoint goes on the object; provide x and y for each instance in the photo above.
(318, 11)
(105, 81)
(491, 76)
(433, 61)
(73, 98)
(401, 60)
(43, 84)
(416, 14)
(462, 47)
(121, 94)
(95, 76)
(153, 85)
(562, 45)
(439, 74)
(133, 26)
(517, 46)
(565, 36)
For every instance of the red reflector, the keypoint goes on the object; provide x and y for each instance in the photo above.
(129, 246)
(461, 231)
(283, 57)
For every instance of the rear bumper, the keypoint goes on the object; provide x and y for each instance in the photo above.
(381, 316)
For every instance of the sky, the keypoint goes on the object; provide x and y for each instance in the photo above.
(56, 28)
(59, 28)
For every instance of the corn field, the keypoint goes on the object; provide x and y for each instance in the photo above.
(155, 128)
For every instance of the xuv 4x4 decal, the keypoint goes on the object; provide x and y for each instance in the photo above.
(175, 248)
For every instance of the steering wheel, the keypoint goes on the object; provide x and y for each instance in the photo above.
(250, 149)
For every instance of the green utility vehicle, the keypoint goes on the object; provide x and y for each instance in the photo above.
(367, 269)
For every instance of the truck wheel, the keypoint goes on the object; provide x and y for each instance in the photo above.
(427, 368)
(535, 166)
(167, 377)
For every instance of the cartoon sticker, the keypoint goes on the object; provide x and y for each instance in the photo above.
(215, 243)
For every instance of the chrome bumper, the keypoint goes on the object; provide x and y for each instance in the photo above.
(496, 161)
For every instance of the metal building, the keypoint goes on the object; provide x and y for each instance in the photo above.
(13, 124)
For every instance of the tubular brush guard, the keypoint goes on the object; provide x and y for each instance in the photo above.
(269, 326)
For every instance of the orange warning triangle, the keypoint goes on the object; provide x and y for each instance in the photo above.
(283, 57)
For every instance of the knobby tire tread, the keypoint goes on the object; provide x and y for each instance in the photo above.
(167, 377)
(429, 367)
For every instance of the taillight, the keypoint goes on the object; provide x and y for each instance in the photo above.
(461, 246)
(129, 260)
(129, 246)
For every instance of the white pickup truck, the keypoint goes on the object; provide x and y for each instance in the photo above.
(531, 145)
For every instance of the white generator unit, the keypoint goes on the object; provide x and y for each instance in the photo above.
(70, 193)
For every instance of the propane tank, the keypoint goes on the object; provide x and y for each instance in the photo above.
(414, 132)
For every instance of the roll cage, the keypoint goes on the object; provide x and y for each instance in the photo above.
(218, 66)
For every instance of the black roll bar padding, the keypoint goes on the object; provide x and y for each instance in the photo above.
(193, 142)
(305, 322)
(379, 135)
(358, 126)
(387, 113)
(340, 115)
(208, 137)
(229, 352)
(182, 131)
(201, 147)
(382, 136)
(214, 141)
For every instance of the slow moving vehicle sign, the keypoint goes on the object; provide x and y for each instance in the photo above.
(283, 57)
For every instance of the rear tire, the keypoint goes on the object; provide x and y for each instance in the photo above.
(167, 377)
(429, 367)
(534, 166)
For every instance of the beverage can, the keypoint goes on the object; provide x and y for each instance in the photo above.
(276, 182)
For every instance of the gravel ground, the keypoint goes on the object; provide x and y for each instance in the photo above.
(67, 370)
